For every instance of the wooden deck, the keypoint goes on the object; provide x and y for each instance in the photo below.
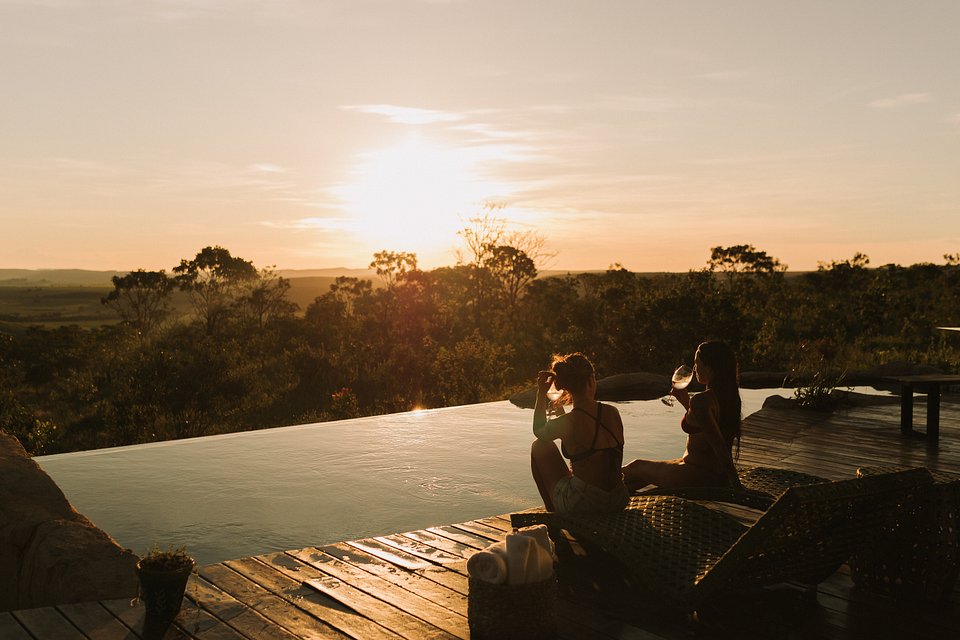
(414, 584)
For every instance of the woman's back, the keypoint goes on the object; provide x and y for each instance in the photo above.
(595, 445)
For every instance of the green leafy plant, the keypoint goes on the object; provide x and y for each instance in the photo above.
(817, 376)
(172, 559)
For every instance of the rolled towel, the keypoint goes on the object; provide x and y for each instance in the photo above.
(541, 566)
(541, 534)
(520, 555)
(490, 564)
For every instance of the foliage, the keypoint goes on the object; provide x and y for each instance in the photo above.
(215, 280)
(392, 266)
(817, 374)
(170, 559)
(458, 334)
(141, 298)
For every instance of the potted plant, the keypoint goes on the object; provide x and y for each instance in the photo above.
(163, 579)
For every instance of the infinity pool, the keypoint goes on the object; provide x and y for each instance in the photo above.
(251, 493)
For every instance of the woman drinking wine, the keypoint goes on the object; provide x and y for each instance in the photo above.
(712, 425)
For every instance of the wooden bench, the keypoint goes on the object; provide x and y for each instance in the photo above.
(930, 384)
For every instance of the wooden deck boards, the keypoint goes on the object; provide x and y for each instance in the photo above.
(414, 585)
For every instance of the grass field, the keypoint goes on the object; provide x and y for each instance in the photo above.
(72, 297)
(51, 306)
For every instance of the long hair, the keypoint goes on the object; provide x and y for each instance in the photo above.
(572, 374)
(725, 382)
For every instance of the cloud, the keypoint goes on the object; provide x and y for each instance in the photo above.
(406, 115)
(725, 75)
(903, 100)
(312, 223)
(266, 167)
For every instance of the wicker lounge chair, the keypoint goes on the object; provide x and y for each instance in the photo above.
(918, 555)
(762, 486)
(686, 554)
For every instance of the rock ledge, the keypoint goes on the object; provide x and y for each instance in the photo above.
(49, 553)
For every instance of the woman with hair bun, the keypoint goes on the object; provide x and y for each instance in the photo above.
(712, 425)
(591, 436)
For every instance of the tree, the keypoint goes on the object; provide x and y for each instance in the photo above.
(265, 299)
(743, 258)
(392, 266)
(858, 261)
(512, 268)
(215, 280)
(141, 298)
(473, 370)
(35, 432)
(498, 259)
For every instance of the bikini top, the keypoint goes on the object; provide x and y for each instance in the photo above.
(614, 453)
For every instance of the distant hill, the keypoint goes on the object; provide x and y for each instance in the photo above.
(56, 278)
(367, 274)
(90, 278)
(309, 278)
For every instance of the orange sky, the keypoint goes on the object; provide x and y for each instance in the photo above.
(309, 134)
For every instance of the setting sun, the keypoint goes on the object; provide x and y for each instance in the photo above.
(415, 195)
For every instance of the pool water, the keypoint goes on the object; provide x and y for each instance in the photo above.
(255, 492)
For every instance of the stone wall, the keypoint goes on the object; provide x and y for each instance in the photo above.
(49, 553)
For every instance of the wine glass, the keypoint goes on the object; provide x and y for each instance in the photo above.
(682, 377)
(553, 394)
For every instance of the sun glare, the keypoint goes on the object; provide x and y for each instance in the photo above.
(414, 196)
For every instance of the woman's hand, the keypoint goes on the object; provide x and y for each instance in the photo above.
(544, 380)
(682, 395)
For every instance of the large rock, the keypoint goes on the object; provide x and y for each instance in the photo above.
(49, 553)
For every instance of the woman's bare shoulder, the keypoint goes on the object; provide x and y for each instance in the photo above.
(704, 400)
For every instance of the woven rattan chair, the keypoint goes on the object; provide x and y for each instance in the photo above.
(917, 556)
(761, 487)
(686, 554)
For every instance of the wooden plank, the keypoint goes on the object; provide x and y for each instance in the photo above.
(132, 615)
(481, 529)
(461, 536)
(366, 559)
(391, 554)
(236, 614)
(95, 622)
(499, 524)
(192, 623)
(268, 605)
(10, 629)
(47, 623)
(290, 573)
(414, 582)
(442, 543)
(359, 589)
(420, 550)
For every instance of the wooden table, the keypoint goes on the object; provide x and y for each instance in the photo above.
(931, 385)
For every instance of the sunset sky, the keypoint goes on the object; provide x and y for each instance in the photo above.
(311, 133)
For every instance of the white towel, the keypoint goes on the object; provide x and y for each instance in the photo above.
(490, 564)
(540, 566)
(520, 554)
(541, 534)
